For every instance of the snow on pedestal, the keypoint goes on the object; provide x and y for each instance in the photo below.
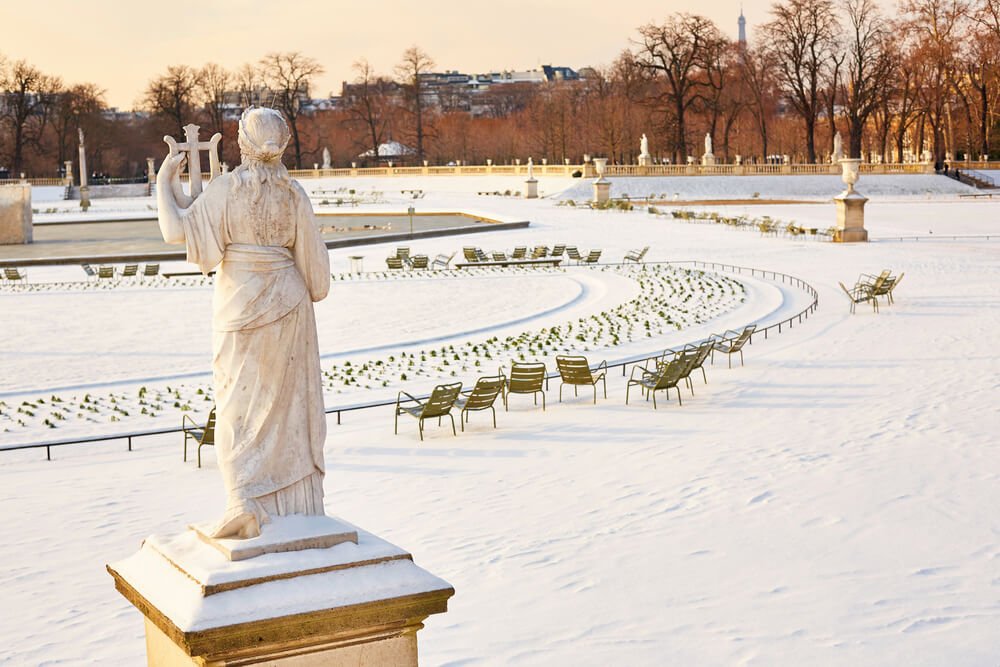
(350, 604)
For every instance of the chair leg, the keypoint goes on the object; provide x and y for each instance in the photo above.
(741, 357)
(679, 401)
(543, 401)
(704, 377)
(730, 355)
(453, 431)
(604, 382)
(627, 388)
(395, 428)
(185, 448)
(654, 398)
(493, 410)
(199, 454)
(463, 416)
(420, 425)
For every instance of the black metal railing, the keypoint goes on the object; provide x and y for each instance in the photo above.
(643, 359)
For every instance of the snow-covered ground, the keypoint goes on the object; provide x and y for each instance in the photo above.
(832, 502)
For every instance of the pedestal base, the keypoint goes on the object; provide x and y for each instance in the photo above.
(602, 191)
(15, 214)
(350, 604)
(850, 226)
(708, 160)
(531, 188)
(645, 160)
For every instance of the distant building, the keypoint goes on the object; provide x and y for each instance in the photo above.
(742, 23)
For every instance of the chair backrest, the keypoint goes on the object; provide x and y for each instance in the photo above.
(701, 352)
(499, 256)
(442, 261)
(88, 269)
(105, 272)
(558, 250)
(481, 256)
(573, 253)
(419, 261)
(470, 254)
(151, 270)
(643, 252)
(896, 282)
(669, 373)
(574, 370)
(12, 274)
(525, 378)
(402, 252)
(742, 339)
(520, 252)
(441, 400)
(484, 393)
(209, 435)
(130, 270)
(394, 262)
(539, 252)
(593, 257)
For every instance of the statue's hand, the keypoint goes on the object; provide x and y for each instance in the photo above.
(171, 167)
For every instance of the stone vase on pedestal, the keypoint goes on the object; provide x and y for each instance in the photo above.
(602, 186)
(850, 227)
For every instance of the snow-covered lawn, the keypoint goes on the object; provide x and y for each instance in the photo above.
(832, 502)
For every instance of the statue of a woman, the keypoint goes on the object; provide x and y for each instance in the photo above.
(644, 146)
(708, 144)
(256, 225)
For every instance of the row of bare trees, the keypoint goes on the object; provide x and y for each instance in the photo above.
(926, 78)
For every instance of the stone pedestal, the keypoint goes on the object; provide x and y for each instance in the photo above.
(291, 600)
(602, 191)
(531, 188)
(15, 214)
(850, 226)
(708, 160)
(645, 160)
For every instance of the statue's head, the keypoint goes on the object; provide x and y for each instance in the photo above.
(263, 135)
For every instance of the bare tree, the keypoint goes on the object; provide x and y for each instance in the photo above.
(289, 77)
(28, 97)
(410, 72)
(367, 104)
(869, 67)
(214, 82)
(675, 52)
(758, 69)
(172, 95)
(249, 83)
(801, 36)
(76, 107)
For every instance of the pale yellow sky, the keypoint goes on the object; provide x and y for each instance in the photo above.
(120, 45)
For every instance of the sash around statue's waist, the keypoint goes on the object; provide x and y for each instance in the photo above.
(255, 286)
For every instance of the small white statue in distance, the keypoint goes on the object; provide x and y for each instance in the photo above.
(838, 148)
(531, 168)
(708, 144)
(326, 158)
(256, 225)
(644, 145)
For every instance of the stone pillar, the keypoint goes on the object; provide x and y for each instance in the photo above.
(602, 191)
(531, 188)
(309, 591)
(84, 188)
(15, 214)
(850, 218)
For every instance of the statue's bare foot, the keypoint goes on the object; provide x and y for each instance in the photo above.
(238, 523)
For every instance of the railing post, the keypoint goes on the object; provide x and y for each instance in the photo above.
(48, 453)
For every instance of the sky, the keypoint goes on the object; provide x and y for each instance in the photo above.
(120, 46)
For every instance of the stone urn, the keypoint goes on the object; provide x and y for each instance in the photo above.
(850, 173)
(600, 164)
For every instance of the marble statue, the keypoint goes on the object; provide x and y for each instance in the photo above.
(838, 147)
(531, 168)
(255, 226)
(326, 158)
(644, 146)
(708, 144)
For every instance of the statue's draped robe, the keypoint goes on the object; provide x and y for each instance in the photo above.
(272, 264)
